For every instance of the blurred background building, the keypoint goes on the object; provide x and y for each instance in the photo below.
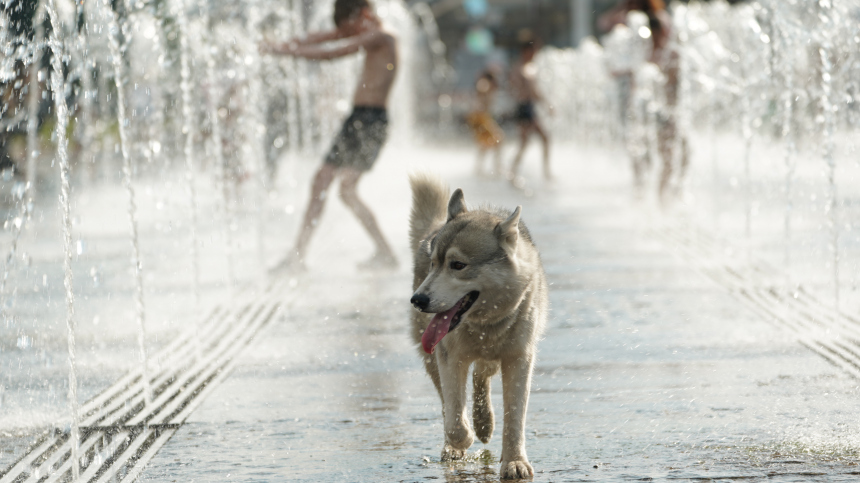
(481, 32)
(478, 34)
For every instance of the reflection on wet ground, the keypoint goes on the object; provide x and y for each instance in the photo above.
(648, 370)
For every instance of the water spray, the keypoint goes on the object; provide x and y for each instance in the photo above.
(117, 27)
(58, 87)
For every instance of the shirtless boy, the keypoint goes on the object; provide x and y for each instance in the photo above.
(363, 134)
(523, 79)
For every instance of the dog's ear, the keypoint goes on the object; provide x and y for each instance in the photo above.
(508, 231)
(425, 246)
(456, 205)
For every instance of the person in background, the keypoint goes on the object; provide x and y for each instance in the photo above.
(357, 145)
(666, 57)
(671, 141)
(523, 80)
(487, 132)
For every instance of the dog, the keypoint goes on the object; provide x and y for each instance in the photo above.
(481, 297)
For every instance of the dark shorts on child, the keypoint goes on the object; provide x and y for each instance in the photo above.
(359, 141)
(525, 112)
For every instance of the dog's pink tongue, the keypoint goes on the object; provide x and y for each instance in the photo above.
(438, 328)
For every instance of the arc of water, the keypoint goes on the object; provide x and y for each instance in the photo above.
(116, 26)
(785, 67)
(682, 110)
(188, 130)
(85, 99)
(768, 36)
(746, 128)
(304, 87)
(826, 106)
(218, 149)
(58, 87)
(292, 83)
(33, 97)
(258, 130)
(747, 85)
(715, 167)
(441, 70)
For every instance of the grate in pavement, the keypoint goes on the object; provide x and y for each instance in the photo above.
(119, 433)
(830, 333)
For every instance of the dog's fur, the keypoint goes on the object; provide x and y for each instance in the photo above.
(499, 331)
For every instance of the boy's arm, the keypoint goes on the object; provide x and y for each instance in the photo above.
(286, 48)
(319, 37)
(350, 46)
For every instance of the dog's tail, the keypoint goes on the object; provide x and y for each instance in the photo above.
(429, 206)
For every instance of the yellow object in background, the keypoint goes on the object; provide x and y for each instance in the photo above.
(487, 132)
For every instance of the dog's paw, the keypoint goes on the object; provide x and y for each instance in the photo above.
(452, 454)
(460, 437)
(516, 469)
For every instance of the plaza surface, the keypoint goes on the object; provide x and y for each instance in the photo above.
(647, 370)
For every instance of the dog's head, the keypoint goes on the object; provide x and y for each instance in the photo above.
(474, 269)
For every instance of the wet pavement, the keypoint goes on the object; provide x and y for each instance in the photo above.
(648, 369)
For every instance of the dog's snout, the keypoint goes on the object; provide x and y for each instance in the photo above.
(420, 301)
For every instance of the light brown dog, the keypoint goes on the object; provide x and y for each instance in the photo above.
(481, 297)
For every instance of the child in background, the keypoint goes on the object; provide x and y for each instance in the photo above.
(363, 134)
(524, 86)
(487, 132)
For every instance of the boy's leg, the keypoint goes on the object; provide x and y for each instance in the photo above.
(525, 130)
(545, 141)
(319, 192)
(349, 195)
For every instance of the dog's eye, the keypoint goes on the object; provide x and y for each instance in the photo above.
(457, 265)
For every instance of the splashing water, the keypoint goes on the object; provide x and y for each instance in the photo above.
(189, 129)
(25, 203)
(33, 97)
(293, 81)
(782, 43)
(257, 137)
(58, 85)
(116, 26)
(218, 149)
(826, 15)
(303, 84)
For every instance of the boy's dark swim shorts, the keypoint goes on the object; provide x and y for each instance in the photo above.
(525, 112)
(359, 141)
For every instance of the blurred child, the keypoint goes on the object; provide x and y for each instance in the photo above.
(671, 140)
(523, 79)
(363, 134)
(487, 132)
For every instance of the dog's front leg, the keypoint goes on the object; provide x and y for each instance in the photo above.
(516, 383)
(453, 374)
